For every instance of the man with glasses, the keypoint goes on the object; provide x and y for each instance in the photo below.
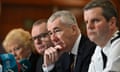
(69, 44)
(41, 41)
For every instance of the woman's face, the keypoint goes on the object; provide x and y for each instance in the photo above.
(19, 51)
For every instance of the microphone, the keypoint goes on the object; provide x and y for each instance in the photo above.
(25, 65)
(8, 63)
(1, 68)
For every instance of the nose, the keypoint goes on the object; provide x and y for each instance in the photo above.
(14, 53)
(37, 41)
(90, 25)
(54, 38)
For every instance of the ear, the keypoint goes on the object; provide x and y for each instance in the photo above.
(112, 22)
(74, 29)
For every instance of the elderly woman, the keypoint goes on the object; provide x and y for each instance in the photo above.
(18, 43)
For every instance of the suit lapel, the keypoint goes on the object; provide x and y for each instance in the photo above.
(85, 51)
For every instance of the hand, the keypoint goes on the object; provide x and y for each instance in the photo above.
(51, 55)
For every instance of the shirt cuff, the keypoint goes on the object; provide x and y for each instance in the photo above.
(47, 68)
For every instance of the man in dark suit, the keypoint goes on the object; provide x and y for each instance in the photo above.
(33, 60)
(69, 42)
(41, 42)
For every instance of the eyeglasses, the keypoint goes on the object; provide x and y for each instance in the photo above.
(41, 36)
(55, 31)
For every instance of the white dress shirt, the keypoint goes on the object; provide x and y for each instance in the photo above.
(75, 48)
(112, 51)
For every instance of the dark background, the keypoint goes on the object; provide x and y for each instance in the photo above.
(22, 13)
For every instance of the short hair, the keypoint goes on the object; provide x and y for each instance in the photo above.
(20, 36)
(108, 8)
(65, 16)
(40, 21)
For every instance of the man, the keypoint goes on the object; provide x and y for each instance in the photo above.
(67, 38)
(101, 20)
(41, 41)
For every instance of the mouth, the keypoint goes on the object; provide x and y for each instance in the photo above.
(17, 59)
(41, 47)
(60, 44)
(57, 43)
(91, 33)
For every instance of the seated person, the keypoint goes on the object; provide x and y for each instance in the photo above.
(18, 42)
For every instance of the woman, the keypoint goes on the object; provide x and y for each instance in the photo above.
(19, 43)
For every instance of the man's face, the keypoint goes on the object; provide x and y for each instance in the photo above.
(98, 28)
(60, 34)
(40, 38)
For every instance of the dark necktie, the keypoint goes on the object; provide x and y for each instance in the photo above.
(72, 61)
(104, 59)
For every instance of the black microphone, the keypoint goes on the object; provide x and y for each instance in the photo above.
(25, 65)
(8, 63)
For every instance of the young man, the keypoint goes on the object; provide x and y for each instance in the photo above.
(101, 20)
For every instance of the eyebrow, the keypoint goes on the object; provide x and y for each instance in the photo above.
(41, 34)
(54, 29)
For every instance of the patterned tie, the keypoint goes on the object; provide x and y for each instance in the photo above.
(72, 61)
(104, 59)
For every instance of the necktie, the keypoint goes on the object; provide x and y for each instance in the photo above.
(104, 59)
(72, 61)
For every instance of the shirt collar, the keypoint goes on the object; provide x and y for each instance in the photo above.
(115, 34)
(107, 46)
(76, 45)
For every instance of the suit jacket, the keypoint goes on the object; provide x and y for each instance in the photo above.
(62, 65)
(39, 64)
(85, 51)
(36, 61)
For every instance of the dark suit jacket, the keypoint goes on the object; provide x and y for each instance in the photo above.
(85, 51)
(39, 64)
(36, 62)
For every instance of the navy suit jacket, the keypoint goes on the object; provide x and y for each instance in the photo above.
(36, 62)
(84, 54)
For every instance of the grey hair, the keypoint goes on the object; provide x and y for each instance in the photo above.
(65, 16)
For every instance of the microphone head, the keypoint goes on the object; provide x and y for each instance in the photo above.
(8, 63)
(1, 68)
(25, 65)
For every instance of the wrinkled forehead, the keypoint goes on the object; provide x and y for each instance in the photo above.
(56, 23)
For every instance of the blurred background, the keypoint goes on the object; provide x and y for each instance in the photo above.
(22, 13)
